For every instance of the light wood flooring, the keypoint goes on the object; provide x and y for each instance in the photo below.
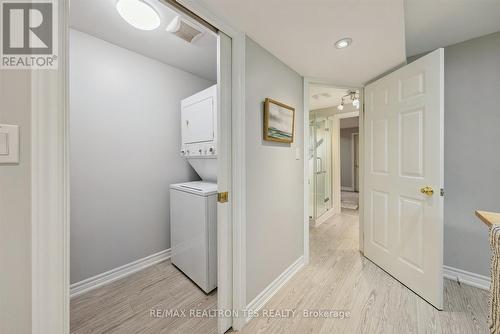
(337, 278)
(124, 306)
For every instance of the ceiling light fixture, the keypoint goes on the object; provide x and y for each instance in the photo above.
(354, 96)
(138, 14)
(343, 43)
(355, 103)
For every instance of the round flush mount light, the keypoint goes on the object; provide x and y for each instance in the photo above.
(343, 43)
(138, 14)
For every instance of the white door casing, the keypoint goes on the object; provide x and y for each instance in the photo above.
(403, 153)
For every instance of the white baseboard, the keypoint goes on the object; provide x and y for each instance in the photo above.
(274, 287)
(347, 188)
(91, 283)
(466, 277)
(324, 217)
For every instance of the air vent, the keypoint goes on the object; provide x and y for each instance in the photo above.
(184, 29)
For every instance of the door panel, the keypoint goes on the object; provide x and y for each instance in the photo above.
(403, 153)
(224, 174)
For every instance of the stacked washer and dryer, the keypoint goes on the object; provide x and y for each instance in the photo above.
(193, 205)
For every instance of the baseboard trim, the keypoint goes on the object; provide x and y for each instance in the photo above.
(466, 277)
(274, 287)
(347, 188)
(323, 218)
(112, 275)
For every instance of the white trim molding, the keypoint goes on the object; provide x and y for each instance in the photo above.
(77, 289)
(50, 191)
(324, 217)
(263, 297)
(466, 277)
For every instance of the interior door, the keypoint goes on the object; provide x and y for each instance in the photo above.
(224, 174)
(403, 215)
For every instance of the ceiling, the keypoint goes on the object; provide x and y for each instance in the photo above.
(302, 34)
(101, 19)
(431, 24)
(324, 96)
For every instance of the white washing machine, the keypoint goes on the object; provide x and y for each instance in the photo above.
(193, 230)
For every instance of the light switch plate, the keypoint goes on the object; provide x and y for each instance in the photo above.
(9, 144)
(297, 153)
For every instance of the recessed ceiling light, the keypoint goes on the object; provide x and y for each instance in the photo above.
(138, 14)
(343, 43)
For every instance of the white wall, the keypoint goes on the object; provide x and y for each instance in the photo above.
(15, 208)
(125, 142)
(275, 179)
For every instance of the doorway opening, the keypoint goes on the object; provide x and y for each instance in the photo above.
(349, 164)
(150, 148)
(333, 165)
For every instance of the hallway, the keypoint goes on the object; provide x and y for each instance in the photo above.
(339, 278)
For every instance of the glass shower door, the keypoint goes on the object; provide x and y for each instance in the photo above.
(320, 166)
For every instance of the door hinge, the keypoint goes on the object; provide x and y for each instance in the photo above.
(222, 197)
(442, 192)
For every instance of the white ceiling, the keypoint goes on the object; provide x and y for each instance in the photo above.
(431, 24)
(100, 19)
(302, 34)
(323, 96)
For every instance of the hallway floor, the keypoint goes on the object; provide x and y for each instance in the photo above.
(349, 200)
(339, 278)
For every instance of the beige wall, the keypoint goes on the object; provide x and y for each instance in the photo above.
(275, 179)
(15, 209)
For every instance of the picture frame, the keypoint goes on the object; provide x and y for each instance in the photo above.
(279, 121)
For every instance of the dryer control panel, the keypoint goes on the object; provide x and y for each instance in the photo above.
(199, 124)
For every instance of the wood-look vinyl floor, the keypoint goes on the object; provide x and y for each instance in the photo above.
(337, 278)
(124, 306)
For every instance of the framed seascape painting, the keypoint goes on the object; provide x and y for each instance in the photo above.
(279, 121)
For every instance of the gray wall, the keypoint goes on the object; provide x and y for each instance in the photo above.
(346, 162)
(472, 153)
(275, 179)
(15, 208)
(125, 141)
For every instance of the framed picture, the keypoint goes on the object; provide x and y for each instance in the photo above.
(279, 121)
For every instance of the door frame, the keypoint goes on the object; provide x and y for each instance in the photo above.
(307, 82)
(50, 181)
(353, 151)
(337, 183)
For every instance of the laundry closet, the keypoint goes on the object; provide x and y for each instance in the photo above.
(143, 161)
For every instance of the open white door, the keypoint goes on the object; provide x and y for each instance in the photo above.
(403, 219)
(224, 226)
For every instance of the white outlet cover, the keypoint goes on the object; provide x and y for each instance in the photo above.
(9, 144)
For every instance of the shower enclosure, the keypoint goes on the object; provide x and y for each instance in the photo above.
(320, 167)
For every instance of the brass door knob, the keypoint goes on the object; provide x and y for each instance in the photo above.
(427, 191)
